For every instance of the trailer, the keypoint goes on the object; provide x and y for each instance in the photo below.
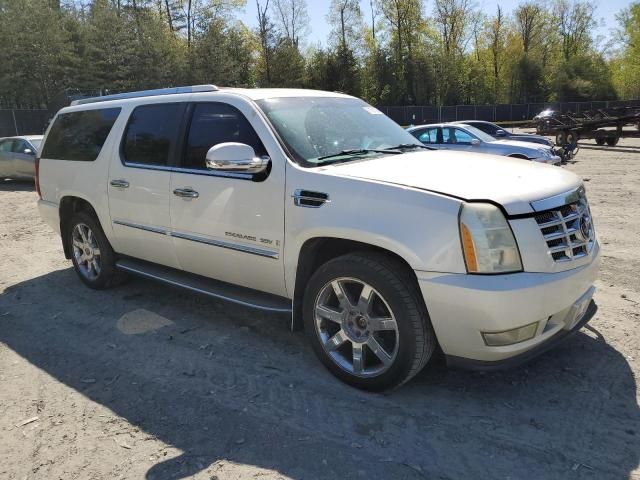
(605, 125)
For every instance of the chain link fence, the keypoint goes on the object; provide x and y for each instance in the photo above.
(26, 122)
(410, 115)
(23, 122)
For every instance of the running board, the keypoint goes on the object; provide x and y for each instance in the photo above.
(207, 286)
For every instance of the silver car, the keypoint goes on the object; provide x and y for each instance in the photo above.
(459, 136)
(18, 156)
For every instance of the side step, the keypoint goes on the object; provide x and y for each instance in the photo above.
(207, 286)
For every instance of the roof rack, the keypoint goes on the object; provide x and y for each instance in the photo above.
(148, 93)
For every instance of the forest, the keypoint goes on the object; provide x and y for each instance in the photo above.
(402, 52)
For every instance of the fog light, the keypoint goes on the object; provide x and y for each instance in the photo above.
(509, 337)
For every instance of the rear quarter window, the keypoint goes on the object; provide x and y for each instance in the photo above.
(79, 136)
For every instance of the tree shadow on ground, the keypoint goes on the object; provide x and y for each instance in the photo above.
(221, 382)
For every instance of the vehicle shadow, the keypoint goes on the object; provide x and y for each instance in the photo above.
(221, 382)
(16, 185)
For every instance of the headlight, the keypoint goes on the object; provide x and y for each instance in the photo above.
(487, 241)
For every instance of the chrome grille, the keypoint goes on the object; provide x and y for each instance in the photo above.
(568, 230)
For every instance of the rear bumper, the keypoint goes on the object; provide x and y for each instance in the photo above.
(463, 307)
(50, 214)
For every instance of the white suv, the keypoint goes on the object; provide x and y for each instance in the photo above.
(316, 204)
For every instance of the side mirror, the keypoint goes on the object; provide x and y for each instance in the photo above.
(500, 133)
(235, 157)
(28, 151)
(475, 142)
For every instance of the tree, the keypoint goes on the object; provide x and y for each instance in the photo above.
(452, 19)
(496, 33)
(626, 63)
(345, 18)
(529, 23)
(575, 21)
(292, 19)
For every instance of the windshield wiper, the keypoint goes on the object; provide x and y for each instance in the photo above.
(352, 153)
(410, 146)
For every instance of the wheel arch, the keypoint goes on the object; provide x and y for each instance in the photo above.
(316, 251)
(68, 206)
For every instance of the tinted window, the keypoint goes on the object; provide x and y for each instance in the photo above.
(151, 133)
(5, 146)
(79, 135)
(19, 146)
(214, 123)
(429, 135)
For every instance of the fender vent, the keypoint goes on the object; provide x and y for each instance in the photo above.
(310, 199)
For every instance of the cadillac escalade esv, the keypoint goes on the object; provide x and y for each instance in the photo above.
(317, 205)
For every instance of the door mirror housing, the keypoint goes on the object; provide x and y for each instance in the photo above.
(501, 133)
(28, 151)
(475, 142)
(235, 157)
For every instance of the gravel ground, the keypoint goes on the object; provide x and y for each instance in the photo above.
(146, 381)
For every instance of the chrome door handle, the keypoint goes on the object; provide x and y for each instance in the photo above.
(119, 183)
(186, 193)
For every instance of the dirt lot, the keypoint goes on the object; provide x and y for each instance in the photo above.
(145, 381)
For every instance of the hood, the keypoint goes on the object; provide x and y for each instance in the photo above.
(511, 182)
(522, 144)
(530, 138)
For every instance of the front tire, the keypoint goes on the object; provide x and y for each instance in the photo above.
(93, 258)
(367, 322)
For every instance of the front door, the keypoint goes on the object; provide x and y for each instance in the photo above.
(228, 226)
(6, 158)
(139, 183)
(24, 164)
(456, 139)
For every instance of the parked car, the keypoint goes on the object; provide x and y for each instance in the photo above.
(389, 252)
(18, 156)
(463, 137)
(500, 133)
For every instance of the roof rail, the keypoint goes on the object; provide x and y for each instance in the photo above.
(148, 93)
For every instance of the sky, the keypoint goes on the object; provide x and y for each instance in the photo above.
(318, 9)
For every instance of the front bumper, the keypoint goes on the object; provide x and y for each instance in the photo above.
(461, 307)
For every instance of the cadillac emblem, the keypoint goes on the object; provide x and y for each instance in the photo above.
(585, 227)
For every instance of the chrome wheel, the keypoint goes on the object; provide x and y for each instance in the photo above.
(356, 327)
(86, 251)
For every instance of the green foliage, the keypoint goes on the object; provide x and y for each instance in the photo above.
(626, 64)
(403, 55)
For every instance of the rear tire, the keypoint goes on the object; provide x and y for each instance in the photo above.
(93, 258)
(367, 322)
(572, 138)
(612, 141)
(561, 138)
(600, 141)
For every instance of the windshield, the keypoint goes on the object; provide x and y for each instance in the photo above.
(314, 128)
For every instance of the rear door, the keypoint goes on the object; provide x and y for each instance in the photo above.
(233, 230)
(139, 183)
(428, 136)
